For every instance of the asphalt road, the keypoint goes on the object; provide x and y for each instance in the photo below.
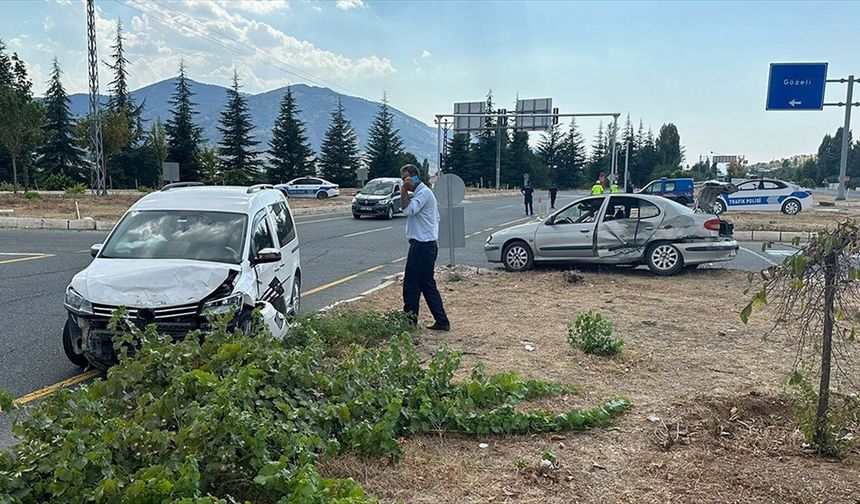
(341, 258)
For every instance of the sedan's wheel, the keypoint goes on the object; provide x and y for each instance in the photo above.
(719, 207)
(517, 256)
(295, 299)
(683, 201)
(73, 346)
(791, 207)
(322, 195)
(664, 259)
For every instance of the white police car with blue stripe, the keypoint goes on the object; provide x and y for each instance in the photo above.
(309, 187)
(765, 195)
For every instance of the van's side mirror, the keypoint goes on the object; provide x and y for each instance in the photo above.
(267, 255)
(94, 250)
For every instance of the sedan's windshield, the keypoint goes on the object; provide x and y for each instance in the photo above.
(377, 188)
(178, 234)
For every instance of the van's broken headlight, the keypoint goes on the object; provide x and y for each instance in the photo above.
(76, 303)
(224, 305)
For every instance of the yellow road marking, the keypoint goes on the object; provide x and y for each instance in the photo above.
(398, 260)
(342, 280)
(514, 221)
(32, 396)
(8, 261)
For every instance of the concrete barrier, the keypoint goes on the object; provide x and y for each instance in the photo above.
(87, 224)
(8, 222)
(29, 223)
(55, 223)
(105, 225)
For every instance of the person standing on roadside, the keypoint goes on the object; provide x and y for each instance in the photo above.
(614, 188)
(422, 230)
(528, 192)
(553, 192)
(597, 188)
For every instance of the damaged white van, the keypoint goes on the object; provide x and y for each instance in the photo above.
(184, 252)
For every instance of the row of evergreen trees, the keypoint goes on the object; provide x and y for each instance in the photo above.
(48, 146)
(561, 157)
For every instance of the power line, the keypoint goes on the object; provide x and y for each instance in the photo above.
(253, 53)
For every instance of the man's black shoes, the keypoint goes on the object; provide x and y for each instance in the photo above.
(439, 327)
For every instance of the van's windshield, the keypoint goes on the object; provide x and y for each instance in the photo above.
(178, 234)
(377, 188)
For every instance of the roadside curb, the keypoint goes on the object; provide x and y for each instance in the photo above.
(775, 236)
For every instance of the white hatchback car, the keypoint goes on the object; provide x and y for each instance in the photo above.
(765, 195)
(180, 254)
(310, 187)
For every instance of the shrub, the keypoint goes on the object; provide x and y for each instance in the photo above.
(592, 334)
(843, 417)
(56, 182)
(340, 328)
(76, 189)
(32, 195)
(144, 189)
(246, 418)
(6, 186)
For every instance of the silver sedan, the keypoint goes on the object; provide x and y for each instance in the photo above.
(617, 229)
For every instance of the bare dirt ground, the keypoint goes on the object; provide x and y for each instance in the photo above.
(111, 207)
(815, 219)
(725, 431)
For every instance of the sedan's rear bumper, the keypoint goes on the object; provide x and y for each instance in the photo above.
(705, 252)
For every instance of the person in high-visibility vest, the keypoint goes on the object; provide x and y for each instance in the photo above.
(614, 187)
(597, 188)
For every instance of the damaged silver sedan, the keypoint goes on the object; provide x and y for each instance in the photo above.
(619, 229)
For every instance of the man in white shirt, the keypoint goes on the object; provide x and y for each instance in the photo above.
(422, 230)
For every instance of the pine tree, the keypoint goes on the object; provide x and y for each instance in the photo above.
(7, 76)
(59, 155)
(572, 173)
(22, 80)
(457, 157)
(383, 144)
(290, 153)
(518, 159)
(424, 168)
(183, 135)
(120, 98)
(482, 154)
(157, 141)
(550, 151)
(239, 162)
(599, 157)
(339, 151)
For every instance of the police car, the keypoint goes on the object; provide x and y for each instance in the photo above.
(767, 195)
(309, 187)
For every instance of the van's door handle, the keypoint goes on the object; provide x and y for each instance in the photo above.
(648, 228)
(584, 230)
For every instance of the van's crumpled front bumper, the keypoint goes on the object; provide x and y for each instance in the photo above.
(701, 252)
(97, 337)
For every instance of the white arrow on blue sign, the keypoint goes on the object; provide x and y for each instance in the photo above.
(796, 86)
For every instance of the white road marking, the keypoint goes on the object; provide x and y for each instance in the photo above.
(321, 220)
(365, 232)
(501, 207)
(760, 256)
(21, 254)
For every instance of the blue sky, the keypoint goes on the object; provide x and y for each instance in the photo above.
(700, 65)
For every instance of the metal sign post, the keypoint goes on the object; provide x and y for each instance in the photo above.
(800, 86)
(450, 190)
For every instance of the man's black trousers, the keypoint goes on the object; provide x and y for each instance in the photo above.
(530, 209)
(420, 264)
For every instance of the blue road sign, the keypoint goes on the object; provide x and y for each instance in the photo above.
(796, 86)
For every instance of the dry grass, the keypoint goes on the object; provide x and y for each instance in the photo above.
(814, 219)
(725, 432)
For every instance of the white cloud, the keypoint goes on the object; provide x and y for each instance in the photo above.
(48, 23)
(426, 54)
(417, 66)
(349, 4)
(256, 6)
(64, 2)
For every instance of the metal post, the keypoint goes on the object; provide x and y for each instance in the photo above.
(99, 173)
(450, 221)
(626, 163)
(846, 133)
(438, 144)
(612, 167)
(498, 151)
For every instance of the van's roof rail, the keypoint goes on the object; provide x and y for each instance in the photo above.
(259, 187)
(181, 184)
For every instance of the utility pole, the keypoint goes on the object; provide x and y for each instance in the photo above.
(846, 134)
(99, 170)
(626, 164)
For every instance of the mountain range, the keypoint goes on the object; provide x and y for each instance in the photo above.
(316, 104)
